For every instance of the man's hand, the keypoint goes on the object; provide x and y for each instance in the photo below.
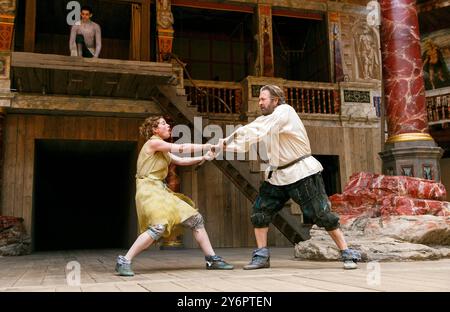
(219, 146)
(210, 155)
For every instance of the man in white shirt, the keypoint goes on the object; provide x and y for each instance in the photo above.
(85, 36)
(293, 173)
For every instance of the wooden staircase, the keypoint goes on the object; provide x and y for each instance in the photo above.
(237, 171)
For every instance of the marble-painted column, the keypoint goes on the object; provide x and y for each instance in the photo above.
(409, 149)
(402, 70)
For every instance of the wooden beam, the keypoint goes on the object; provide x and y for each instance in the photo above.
(145, 31)
(63, 62)
(297, 14)
(83, 105)
(127, 1)
(247, 8)
(30, 26)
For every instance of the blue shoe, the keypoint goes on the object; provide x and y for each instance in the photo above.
(260, 259)
(123, 266)
(350, 257)
(217, 263)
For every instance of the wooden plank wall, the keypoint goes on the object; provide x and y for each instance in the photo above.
(357, 148)
(20, 134)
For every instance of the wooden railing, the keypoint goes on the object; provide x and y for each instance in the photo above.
(304, 97)
(438, 108)
(215, 97)
(317, 98)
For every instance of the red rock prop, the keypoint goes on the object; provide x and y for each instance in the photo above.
(13, 238)
(376, 195)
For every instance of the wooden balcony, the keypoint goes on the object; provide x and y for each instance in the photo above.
(68, 75)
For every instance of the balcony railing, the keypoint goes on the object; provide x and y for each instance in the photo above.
(319, 98)
(215, 97)
(438, 108)
(218, 97)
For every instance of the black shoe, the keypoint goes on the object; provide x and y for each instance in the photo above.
(260, 260)
(217, 263)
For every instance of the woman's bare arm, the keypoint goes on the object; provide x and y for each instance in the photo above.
(163, 146)
(188, 161)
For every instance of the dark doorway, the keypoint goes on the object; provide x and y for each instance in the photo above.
(215, 44)
(300, 49)
(83, 194)
(330, 174)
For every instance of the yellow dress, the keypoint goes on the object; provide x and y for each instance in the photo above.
(155, 202)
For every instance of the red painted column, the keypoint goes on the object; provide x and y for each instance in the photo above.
(409, 149)
(402, 72)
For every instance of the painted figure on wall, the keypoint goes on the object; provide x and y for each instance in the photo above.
(434, 64)
(338, 68)
(366, 48)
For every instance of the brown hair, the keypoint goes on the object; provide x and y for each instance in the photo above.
(274, 91)
(146, 129)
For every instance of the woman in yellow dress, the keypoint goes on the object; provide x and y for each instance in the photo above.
(158, 208)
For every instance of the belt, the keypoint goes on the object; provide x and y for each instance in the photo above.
(272, 169)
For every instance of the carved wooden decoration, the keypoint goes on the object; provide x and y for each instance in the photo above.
(6, 32)
(164, 21)
(266, 41)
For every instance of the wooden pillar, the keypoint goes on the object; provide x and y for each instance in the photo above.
(145, 31)
(338, 71)
(135, 33)
(30, 26)
(2, 125)
(265, 63)
(7, 15)
(164, 21)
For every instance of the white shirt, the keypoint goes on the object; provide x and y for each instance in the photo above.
(285, 140)
(92, 37)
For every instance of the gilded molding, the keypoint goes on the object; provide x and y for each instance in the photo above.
(407, 137)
